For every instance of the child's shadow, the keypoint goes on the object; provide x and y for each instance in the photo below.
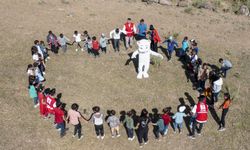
(135, 61)
(164, 51)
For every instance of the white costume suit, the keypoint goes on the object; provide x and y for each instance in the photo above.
(144, 53)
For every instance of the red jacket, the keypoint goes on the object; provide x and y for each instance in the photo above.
(59, 114)
(201, 112)
(156, 36)
(95, 45)
(166, 118)
(129, 28)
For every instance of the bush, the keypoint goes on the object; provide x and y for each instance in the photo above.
(188, 10)
(198, 3)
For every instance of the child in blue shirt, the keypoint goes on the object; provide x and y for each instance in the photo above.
(171, 45)
(179, 118)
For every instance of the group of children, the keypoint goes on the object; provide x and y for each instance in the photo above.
(136, 125)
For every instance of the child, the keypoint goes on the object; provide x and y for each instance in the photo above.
(33, 95)
(51, 102)
(60, 119)
(44, 50)
(171, 45)
(160, 127)
(129, 125)
(89, 45)
(225, 107)
(52, 42)
(95, 47)
(116, 36)
(179, 119)
(143, 127)
(63, 42)
(77, 40)
(103, 43)
(114, 124)
(73, 117)
(42, 101)
(97, 119)
(166, 118)
(184, 47)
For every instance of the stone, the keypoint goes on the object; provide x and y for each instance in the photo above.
(165, 2)
(243, 10)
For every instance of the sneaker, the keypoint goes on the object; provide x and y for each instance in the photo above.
(82, 49)
(145, 143)
(48, 57)
(102, 137)
(76, 50)
(59, 129)
(118, 135)
(180, 132)
(141, 146)
(191, 137)
(132, 138)
(80, 137)
(74, 135)
(98, 137)
(113, 136)
(129, 139)
(222, 129)
(44, 73)
(199, 134)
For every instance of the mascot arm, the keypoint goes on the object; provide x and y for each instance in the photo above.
(156, 54)
(134, 54)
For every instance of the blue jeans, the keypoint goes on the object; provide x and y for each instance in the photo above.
(117, 45)
(62, 127)
(215, 97)
(177, 125)
(130, 133)
(224, 71)
(35, 100)
(165, 131)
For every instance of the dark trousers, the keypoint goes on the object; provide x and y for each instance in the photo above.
(196, 127)
(62, 127)
(78, 129)
(215, 97)
(90, 51)
(104, 49)
(154, 46)
(130, 133)
(224, 71)
(201, 84)
(170, 54)
(95, 52)
(54, 49)
(157, 132)
(142, 135)
(117, 45)
(223, 115)
(99, 130)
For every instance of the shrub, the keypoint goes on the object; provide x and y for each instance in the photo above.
(188, 10)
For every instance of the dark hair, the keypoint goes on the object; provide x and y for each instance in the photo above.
(155, 110)
(117, 30)
(33, 50)
(40, 88)
(29, 66)
(58, 104)
(94, 38)
(142, 20)
(112, 112)
(133, 111)
(50, 32)
(36, 42)
(41, 42)
(35, 64)
(151, 27)
(185, 38)
(75, 106)
(220, 60)
(75, 32)
(166, 110)
(96, 109)
(227, 95)
(201, 98)
(129, 113)
(85, 32)
(129, 19)
(52, 92)
(61, 35)
(144, 112)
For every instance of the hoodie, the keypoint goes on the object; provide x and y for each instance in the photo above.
(217, 85)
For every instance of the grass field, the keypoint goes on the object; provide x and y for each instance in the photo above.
(107, 81)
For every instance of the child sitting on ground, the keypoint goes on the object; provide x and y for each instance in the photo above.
(114, 124)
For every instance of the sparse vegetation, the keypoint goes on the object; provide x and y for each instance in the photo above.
(188, 10)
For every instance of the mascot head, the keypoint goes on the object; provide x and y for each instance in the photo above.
(143, 46)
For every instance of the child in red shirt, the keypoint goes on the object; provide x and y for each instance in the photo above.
(95, 47)
(166, 118)
(42, 101)
(60, 119)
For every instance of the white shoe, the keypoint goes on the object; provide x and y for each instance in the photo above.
(44, 73)
(59, 129)
(132, 138)
(76, 50)
(74, 135)
(113, 136)
(98, 137)
(139, 76)
(118, 135)
(48, 57)
(82, 49)
(129, 139)
(145, 75)
(146, 143)
(102, 137)
(80, 137)
(222, 129)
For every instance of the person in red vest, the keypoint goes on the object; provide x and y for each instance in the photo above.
(155, 38)
(51, 102)
(130, 30)
(201, 112)
(95, 46)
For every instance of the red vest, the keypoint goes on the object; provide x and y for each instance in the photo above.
(201, 112)
(50, 102)
(129, 28)
(95, 45)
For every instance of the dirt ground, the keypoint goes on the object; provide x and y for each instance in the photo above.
(107, 82)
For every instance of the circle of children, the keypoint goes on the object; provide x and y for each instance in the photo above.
(198, 72)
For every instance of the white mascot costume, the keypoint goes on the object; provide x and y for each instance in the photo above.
(144, 53)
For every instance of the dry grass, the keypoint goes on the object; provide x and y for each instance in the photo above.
(106, 81)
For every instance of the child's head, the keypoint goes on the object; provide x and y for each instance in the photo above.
(96, 109)
(226, 96)
(42, 42)
(61, 35)
(202, 98)
(103, 35)
(133, 112)
(144, 112)
(35, 64)
(89, 38)
(220, 60)
(36, 42)
(155, 111)
(50, 32)
(112, 112)
(52, 92)
(74, 106)
(117, 30)
(165, 110)
(93, 38)
(151, 27)
(185, 38)
(29, 66)
(142, 21)
(34, 49)
(85, 32)
(129, 113)
(129, 20)
(46, 91)
(76, 32)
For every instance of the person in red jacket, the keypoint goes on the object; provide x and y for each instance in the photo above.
(155, 38)
(95, 47)
(42, 101)
(51, 102)
(167, 119)
(130, 30)
(201, 112)
(60, 119)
